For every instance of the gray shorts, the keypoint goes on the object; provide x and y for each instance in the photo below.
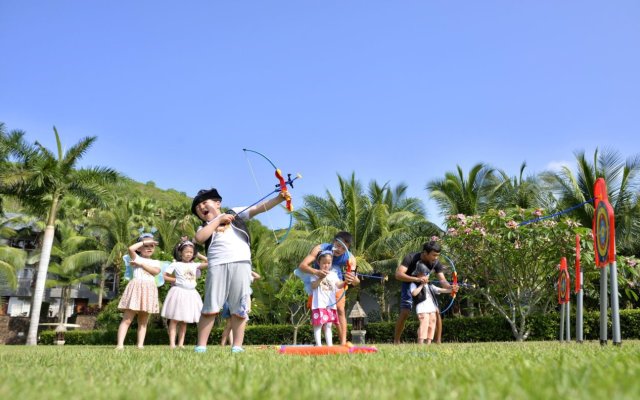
(230, 283)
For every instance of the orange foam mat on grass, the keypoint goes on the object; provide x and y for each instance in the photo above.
(325, 350)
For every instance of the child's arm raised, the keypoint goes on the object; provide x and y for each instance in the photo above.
(268, 204)
(204, 264)
(137, 263)
(137, 245)
(446, 290)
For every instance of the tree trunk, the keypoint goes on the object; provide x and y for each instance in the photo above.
(117, 268)
(470, 312)
(103, 269)
(64, 301)
(43, 267)
(38, 293)
(383, 305)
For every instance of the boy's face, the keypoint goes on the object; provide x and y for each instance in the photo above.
(208, 209)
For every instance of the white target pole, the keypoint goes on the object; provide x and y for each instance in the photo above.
(603, 305)
(568, 320)
(615, 311)
(579, 311)
(562, 311)
(579, 295)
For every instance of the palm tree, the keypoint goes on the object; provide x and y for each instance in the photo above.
(114, 228)
(8, 141)
(41, 177)
(622, 178)
(457, 194)
(172, 223)
(11, 258)
(74, 260)
(517, 191)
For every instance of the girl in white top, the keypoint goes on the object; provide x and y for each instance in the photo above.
(427, 308)
(141, 294)
(183, 303)
(323, 308)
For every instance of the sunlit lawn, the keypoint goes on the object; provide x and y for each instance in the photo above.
(539, 370)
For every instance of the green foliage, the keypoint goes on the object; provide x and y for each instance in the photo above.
(460, 194)
(11, 260)
(293, 296)
(543, 327)
(629, 324)
(132, 190)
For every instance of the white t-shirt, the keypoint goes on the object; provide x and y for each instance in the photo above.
(229, 246)
(185, 273)
(324, 296)
(141, 273)
(427, 306)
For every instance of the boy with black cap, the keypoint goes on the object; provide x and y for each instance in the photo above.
(226, 240)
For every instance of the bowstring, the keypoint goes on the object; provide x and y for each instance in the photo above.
(255, 181)
(453, 270)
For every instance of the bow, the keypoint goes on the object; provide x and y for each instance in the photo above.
(454, 282)
(281, 187)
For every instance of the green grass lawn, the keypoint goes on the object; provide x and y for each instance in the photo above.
(536, 370)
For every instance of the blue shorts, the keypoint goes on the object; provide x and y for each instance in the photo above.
(406, 300)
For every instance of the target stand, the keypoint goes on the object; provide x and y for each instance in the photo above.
(605, 250)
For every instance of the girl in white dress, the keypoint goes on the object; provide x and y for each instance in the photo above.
(183, 302)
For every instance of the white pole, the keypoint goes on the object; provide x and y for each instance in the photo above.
(562, 321)
(568, 320)
(603, 305)
(579, 317)
(615, 310)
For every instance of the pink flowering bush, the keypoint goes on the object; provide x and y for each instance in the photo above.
(512, 265)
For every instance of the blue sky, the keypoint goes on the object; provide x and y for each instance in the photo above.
(395, 91)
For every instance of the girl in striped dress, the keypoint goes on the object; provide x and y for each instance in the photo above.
(140, 298)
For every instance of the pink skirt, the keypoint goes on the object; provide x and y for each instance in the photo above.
(321, 316)
(182, 305)
(140, 295)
